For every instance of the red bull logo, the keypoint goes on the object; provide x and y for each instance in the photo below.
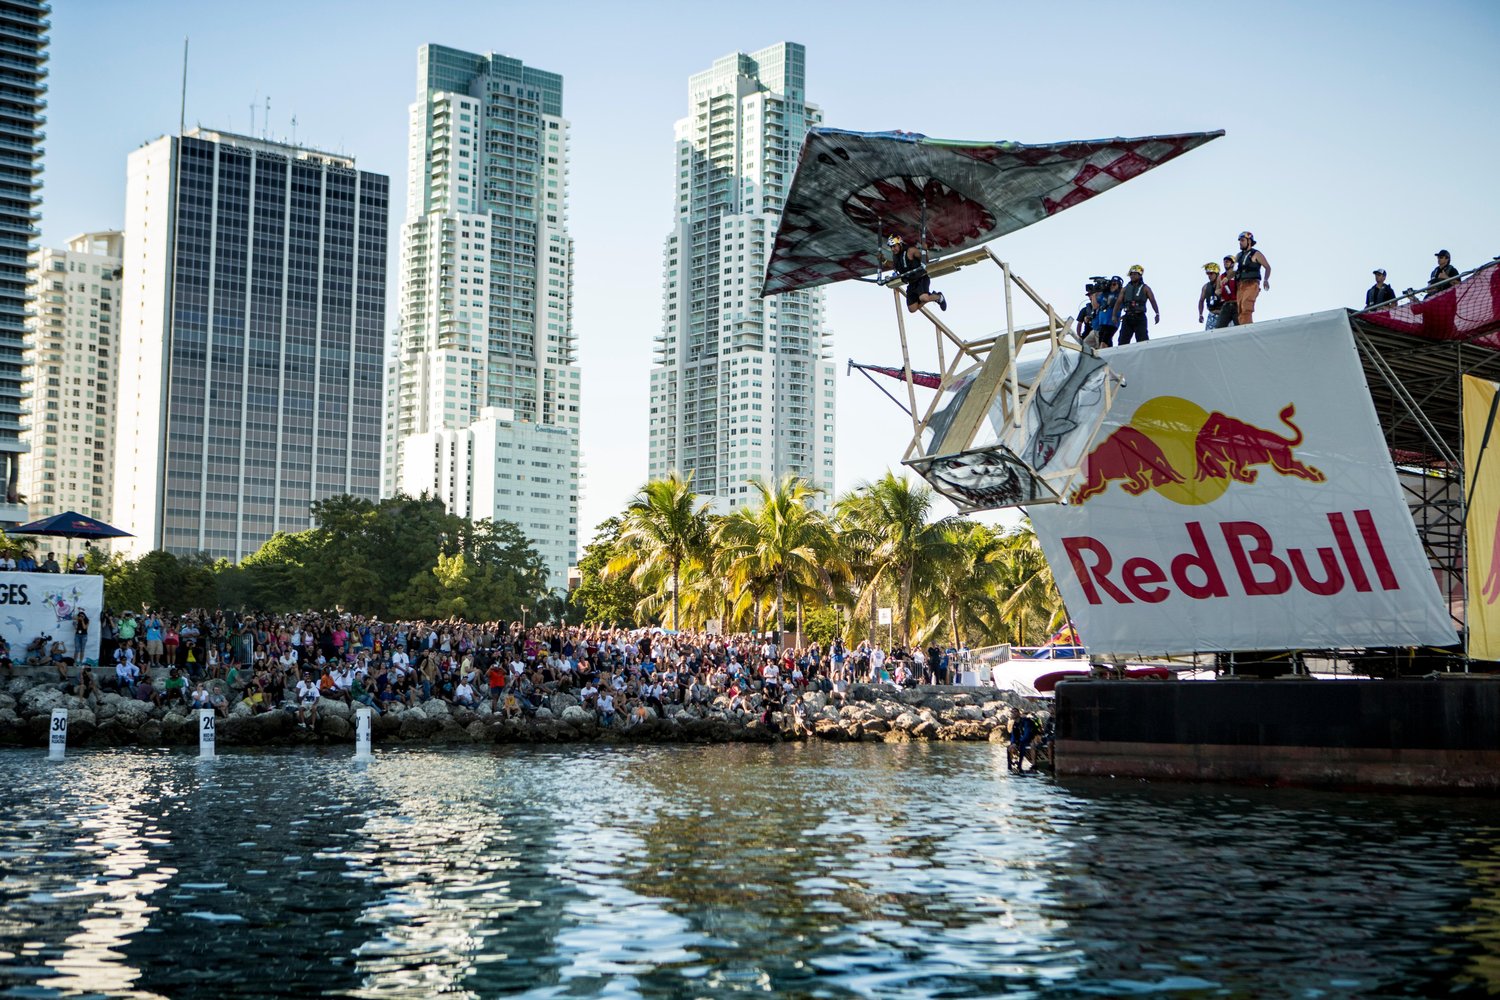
(1174, 447)
(1259, 565)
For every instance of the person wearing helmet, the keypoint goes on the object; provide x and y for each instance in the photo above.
(1380, 291)
(1208, 297)
(1229, 311)
(1133, 300)
(907, 262)
(1249, 281)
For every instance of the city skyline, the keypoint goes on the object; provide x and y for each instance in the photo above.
(1322, 163)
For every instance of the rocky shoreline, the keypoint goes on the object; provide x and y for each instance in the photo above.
(868, 714)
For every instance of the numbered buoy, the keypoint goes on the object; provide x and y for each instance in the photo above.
(362, 728)
(206, 733)
(57, 738)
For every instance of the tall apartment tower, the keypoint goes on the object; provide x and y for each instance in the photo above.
(23, 67)
(742, 386)
(486, 324)
(75, 340)
(250, 341)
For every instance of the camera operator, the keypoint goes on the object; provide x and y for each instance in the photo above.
(1085, 321)
(1105, 300)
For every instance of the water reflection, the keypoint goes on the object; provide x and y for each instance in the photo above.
(903, 871)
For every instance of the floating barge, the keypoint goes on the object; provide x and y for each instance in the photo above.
(1437, 734)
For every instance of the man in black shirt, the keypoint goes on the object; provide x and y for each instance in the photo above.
(908, 266)
(1445, 275)
(1133, 300)
(1380, 291)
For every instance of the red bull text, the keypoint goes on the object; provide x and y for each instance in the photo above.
(1260, 567)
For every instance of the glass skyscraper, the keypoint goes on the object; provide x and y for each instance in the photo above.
(23, 62)
(251, 341)
(742, 385)
(486, 325)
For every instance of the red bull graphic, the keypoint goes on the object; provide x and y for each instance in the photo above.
(1260, 567)
(1286, 526)
(1230, 447)
(1190, 456)
(1129, 457)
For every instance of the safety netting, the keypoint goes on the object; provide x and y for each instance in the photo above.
(1467, 311)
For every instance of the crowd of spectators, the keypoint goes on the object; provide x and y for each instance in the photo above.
(622, 676)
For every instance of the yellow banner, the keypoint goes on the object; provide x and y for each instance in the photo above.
(1482, 489)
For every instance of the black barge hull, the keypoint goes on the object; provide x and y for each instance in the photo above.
(1439, 734)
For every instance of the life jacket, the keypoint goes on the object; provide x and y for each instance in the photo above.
(1133, 298)
(1211, 299)
(1246, 267)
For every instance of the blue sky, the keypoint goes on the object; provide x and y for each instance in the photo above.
(1358, 135)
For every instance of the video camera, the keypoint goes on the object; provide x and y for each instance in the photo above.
(1098, 283)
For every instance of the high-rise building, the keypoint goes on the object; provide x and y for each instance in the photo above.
(743, 386)
(486, 318)
(23, 67)
(250, 341)
(75, 343)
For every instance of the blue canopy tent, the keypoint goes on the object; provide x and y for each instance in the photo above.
(70, 525)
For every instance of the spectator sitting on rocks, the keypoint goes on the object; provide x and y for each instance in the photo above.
(175, 690)
(200, 696)
(218, 701)
(361, 694)
(146, 691)
(88, 688)
(463, 695)
(606, 709)
(307, 701)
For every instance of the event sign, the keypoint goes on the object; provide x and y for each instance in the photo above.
(1482, 479)
(1240, 496)
(35, 604)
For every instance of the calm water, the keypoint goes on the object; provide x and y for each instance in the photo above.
(820, 871)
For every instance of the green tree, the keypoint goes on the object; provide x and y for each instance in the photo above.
(961, 598)
(598, 600)
(782, 539)
(1030, 606)
(894, 514)
(665, 525)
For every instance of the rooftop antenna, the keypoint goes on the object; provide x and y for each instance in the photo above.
(182, 106)
(252, 118)
(267, 129)
(294, 130)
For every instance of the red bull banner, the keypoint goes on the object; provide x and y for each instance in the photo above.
(1240, 496)
(1482, 518)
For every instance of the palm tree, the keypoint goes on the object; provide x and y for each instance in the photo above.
(894, 513)
(1030, 606)
(783, 540)
(964, 582)
(665, 525)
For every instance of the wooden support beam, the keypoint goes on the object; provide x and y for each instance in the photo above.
(947, 265)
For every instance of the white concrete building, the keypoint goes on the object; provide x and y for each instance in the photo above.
(487, 293)
(75, 352)
(743, 386)
(250, 340)
(503, 469)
